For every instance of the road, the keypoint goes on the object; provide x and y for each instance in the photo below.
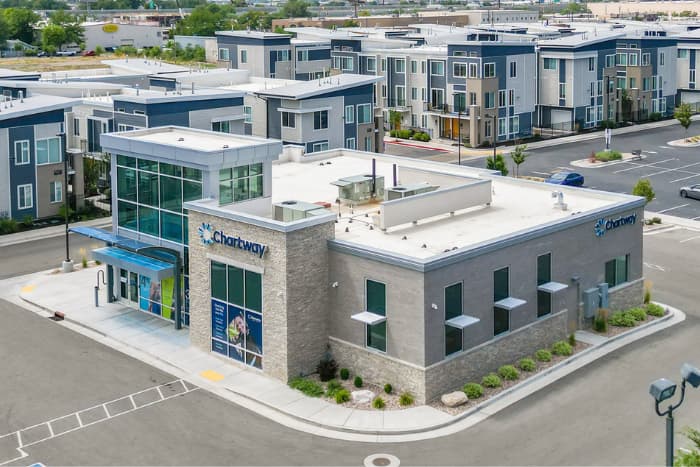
(599, 415)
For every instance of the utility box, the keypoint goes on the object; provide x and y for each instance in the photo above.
(360, 189)
(591, 302)
(603, 290)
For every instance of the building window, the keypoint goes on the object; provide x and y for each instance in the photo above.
(282, 55)
(544, 275)
(400, 65)
(621, 59)
(335, 62)
(56, 192)
(414, 94)
(22, 152)
(682, 53)
(240, 183)
(244, 56)
(472, 98)
(453, 309)
(375, 301)
(502, 98)
(25, 196)
(368, 143)
(422, 66)
(349, 114)
(691, 77)
(502, 127)
(248, 111)
(459, 70)
(414, 66)
(460, 102)
(562, 90)
(487, 128)
(346, 63)
(616, 270)
(383, 90)
(371, 64)
(662, 58)
(302, 55)
(76, 127)
(501, 316)
(320, 146)
(320, 120)
(621, 83)
(350, 143)
(489, 101)
(646, 84)
(223, 54)
(414, 120)
(646, 59)
(515, 124)
(437, 97)
(48, 151)
(221, 127)
(473, 70)
(633, 83)
(513, 69)
(400, 94)
(549, 63)
(489, 70)
(437, 68)
(511, 97)
(591, 63)
(364, 113)
(610, 61)
(289, 120)
(633, 59)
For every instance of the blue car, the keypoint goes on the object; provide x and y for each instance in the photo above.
(566, 178)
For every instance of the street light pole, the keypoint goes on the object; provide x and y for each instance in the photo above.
(493, 135)
(67, 265)
(459, 135)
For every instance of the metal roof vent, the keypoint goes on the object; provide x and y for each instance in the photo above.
(181, 139)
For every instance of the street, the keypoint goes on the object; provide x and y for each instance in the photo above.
(599, 415)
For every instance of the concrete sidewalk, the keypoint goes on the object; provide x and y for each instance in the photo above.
(155, 341)
(47, 232)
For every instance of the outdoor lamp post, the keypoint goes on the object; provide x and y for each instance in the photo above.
(493, 133)
(67, 265)
(663, 389)
(459, 135)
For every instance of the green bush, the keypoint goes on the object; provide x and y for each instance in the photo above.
(491, 381)
(562, 348)
(378, 403)
(572, 339)
(473, 390)
(327, 368)
(543, 355)
(333, 387)
(392, 133)
(406, 399)
(655, 310)
(342, 395)
(99, 50)
(344, 373)
(508, 372)
(638, 313)
(527, 364)
(600, 322)
(656, 220)
(8, 225)
(357, 382)
(606, 156)
(387, 388)
(421, 136)
(647, 295)
(308, 387)
(27, 221)
(404, 134)
(622, 319)
(655, 116)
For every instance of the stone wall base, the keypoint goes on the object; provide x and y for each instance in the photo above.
(626, 296)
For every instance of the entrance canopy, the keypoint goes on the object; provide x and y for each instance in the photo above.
(108, 237)
(141, 264)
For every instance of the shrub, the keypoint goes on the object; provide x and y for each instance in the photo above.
(333, 387)
(656, 220)
(543, 355)
(344, 373)
(378, 403)
(473, 390)
(27, 221)
(622, 319)
(508, 372)
(606, 156)
(527, 364)
(638, 313)
(644, 189)
(342, 395)
(8, 225)
(357, 382)
(405, 399)
(572, 339)
(99, 50)
(392, 133)
(562, 348)
(388, 388)
(327, 368)
(647, 295)
(655, 310)
(655, 116)
(600, 322)
(491, 381)
(308, 387)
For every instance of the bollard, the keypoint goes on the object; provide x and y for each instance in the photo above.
(97, 296)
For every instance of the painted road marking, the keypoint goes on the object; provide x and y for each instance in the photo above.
(28, 288)
(654, 266)
(671, 209)
(664, 147)
(636, 165)
(689, 239)
(651, 152)
(684, 178)
(675, 169)
(211, 375)
(12, 444)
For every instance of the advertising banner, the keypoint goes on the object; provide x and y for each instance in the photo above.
(237, 331)
(218, 320)
(167, 287)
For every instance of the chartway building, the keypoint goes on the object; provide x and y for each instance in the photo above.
(422, 274)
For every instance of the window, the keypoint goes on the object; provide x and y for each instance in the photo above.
(349, 114)
(223, 54)
(437, 97)
(472, 98)
(489, 101)
(48, 151)
(22, 152)
(487, 128)
(609, 61)
(562, 90)
(460, 102)
(616, 270)
(423, 95)
(375, 301)
(76, 127)
(282, 55)
(592, 89)
(489, 70)
(248, 111)
(244, 56)
(383, 64)
(320, 146)
(437, 68)
(414, 66)
(459, 70)
(400, 95)
(621, 59)
(414, 94)
(513, 69)
(368, 143)
(502, 98)
(400, 65)
(364, 113)
(544, 275)
(56, 192)
(350, 143)
(383, 90)
(682, 53)
(591, 63)
(515, 124)
(511, 97)
(662, 58)
(622, 83)
(633, 83)
(501, 316)
(289, 120)
(633, 59)
(302, 55)
(320, 120)
(660, 82)
(240, 183)
(590, 114)
(646, 84)
(414, 120)
(473, 70)
(335, 62)
(25, 196)
(502, 127)
(646, 59)
(222, 127)
(453, 309)
(600, 87)
(371, 64)
(422, 66)
(549, 63)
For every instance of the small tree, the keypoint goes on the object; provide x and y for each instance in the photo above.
(643, 188)
(394, 120)
(683, 114)
(497, 163)
(518, 155)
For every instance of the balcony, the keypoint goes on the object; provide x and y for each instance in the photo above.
(445, 110)
(396, 104)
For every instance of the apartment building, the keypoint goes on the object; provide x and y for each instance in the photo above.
(686, 65)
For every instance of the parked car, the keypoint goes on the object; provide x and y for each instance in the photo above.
(66, 53)
(41, 53)
(692, 191)
(566, 178)
(89, 53)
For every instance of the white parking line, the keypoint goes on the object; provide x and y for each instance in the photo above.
(671, 209)
(689, 239)
(654, 266)
(651, 152)
(541, 173)
(664, 147)
(684, 178)
(636, 165)
(675, 169)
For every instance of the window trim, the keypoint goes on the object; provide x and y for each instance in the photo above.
(52, 193)
(48, 153)
(459, 65)
(444, 316)
(386, 307)
(320, 120)
(489, 66)
(435, 62)
(357, 109)
(29, 154)
(354, 143)
(20, 198)
(282, 114)
(349, 117)
(244, 56)
(319, 143)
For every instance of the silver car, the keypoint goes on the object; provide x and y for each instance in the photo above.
(692, 191)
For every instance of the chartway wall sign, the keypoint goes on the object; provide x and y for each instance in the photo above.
(209, 235)
(604, 224)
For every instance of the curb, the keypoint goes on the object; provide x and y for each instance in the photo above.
(419, 146)
(42, 233)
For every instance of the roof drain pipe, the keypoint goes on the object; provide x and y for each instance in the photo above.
(374, 177)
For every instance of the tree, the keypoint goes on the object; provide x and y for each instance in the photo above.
(518, 155)
(4, 32)
(70, 24)
(349, 23)
(689, 457)
(364, 13)
(497, 163)
(204, 20)
(20, 23)
(53, 37)
(643, 188)
(295, 9)
(394, 120)
(683, 114)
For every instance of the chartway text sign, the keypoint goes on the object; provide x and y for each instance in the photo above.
(208, 235)
(604, 224)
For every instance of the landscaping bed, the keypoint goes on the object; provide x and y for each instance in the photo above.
(618, 322)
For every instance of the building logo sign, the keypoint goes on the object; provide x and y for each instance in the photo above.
(110, 28)
(603, 224)
(209, 235)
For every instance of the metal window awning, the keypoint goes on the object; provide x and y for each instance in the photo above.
(462, 321)
(552, 287)
(368, 317)
(141, 264)
(509, 303)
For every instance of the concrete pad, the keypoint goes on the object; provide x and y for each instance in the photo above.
(249, 384)
(417, 417)
(120, 406)
(281, 396)
(365, 420)
(63, 424)
(146, 397)
(589, 337)
(34, 434)
(92, 415)
(332, 415)
(305, 407)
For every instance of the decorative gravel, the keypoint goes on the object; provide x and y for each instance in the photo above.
(391, 401)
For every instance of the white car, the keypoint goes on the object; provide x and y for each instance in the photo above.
(692, 191)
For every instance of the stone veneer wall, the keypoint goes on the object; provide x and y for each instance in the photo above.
(626, 296)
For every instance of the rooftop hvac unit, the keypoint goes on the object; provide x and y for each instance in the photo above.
(360, 189)
(289, 211)
(402, 191)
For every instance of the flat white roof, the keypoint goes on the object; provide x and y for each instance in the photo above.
(194, 140)
(7, 72)
(304, 89)
(147, 96)
(34, 104)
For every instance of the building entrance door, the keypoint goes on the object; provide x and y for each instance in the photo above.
(128, 287)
